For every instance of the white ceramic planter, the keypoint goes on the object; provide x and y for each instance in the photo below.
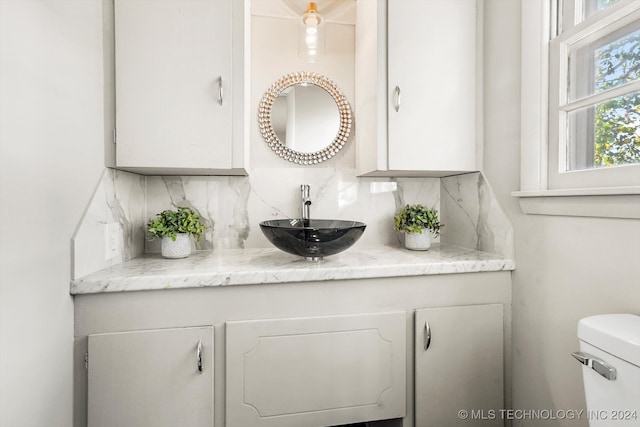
(418, 242)
(180, 248)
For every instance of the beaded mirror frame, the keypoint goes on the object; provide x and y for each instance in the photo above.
(269, 135)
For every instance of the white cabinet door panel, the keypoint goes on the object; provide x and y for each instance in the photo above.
(416, 91)
(432, 58)
(462, 368)
(318, 371)
(151, 379)
(170, 57)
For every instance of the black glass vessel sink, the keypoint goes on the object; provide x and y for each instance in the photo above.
(314, 238)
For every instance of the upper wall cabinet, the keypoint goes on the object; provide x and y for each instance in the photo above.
(179, 71)
(416, 87)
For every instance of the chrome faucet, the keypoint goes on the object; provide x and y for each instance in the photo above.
(305, 202)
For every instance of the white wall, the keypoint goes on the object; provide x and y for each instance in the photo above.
(567, 267)
(51, 157)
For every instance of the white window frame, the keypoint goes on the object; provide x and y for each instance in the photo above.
(579, 196)
(611, 19)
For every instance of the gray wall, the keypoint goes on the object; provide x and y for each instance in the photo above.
(567, 267)
(51, 157)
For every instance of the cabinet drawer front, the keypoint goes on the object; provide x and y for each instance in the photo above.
(151, 378)
(315, 371)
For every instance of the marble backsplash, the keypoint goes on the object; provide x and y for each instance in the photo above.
(232, 207)
(119, 200)
(468, 203)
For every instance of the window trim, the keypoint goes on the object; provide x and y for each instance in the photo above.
(538, 23)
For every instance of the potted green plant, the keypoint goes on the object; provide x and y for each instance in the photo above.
(418, 223)
(176, 229)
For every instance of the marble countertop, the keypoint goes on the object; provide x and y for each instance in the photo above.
(269, 265)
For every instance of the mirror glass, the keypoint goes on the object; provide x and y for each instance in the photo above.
(305, 118)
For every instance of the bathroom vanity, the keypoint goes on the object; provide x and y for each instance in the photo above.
(256, 337)
(239, 335)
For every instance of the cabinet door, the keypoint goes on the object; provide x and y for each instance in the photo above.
(317, 371)
(151, 378)
(171, 56)
(432, 84)
(461, 368)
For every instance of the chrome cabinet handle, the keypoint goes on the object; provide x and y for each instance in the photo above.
(220, 91)
(598, 365)
(199, 356)
(397, 96)
(427, 335)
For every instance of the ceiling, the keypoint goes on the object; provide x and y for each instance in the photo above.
(336, 11)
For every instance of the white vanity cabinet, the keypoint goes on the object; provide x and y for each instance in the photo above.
(315, 371)
(459, 365)
(179, 78)
(319, 353)
(159, 378)
(416, 89)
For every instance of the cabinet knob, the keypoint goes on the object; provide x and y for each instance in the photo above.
(220, 91)
(199, 356)
(427, 335)
(397, 94)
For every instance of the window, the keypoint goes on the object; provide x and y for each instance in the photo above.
(589, 7)
(594, 94)
(580, 108)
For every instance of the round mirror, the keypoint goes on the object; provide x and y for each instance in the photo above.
(305, 118)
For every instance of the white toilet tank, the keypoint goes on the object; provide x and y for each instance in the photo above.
(610, 353)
